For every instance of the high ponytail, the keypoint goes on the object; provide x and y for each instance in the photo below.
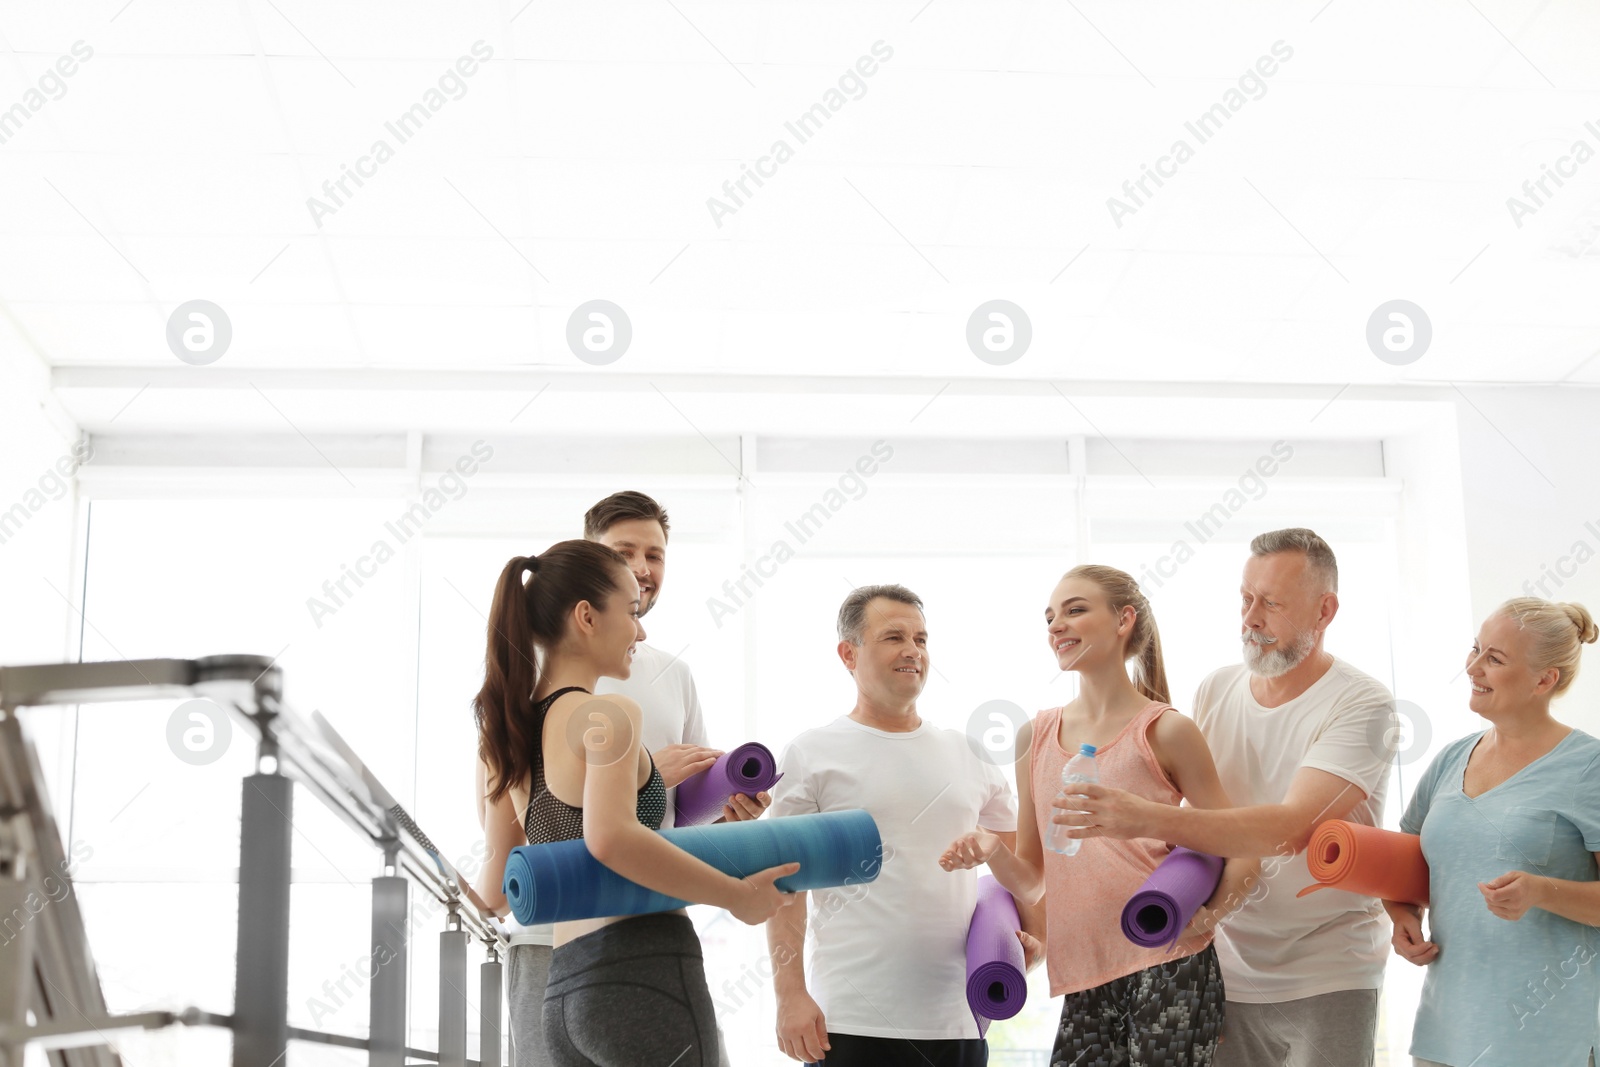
(1149, 670)
(1144, 642)
(504, 705)
(533, 599)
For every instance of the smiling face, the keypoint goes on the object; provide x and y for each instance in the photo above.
(1082, 629)
(1281, 613)
(1502, 677)
(643, 544)
(617, 629)
(891, 664)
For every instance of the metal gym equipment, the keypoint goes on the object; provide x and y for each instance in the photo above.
(49, 992)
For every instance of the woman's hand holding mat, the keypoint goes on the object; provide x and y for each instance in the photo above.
(1367, 860)
(1204, 921)
(763, 897)
(1032, 949)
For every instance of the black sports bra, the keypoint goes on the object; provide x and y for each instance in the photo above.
(549, 819)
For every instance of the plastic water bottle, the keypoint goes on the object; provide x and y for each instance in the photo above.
(1079, 768)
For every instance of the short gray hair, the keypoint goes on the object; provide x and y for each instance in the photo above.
(853, 612)
(1320, 563)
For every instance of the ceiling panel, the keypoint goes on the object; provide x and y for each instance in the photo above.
(962, 151)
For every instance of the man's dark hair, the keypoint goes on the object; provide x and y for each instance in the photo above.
(620, 507)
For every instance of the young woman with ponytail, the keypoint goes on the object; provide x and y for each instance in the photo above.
(555, 763)
(1124, 1003)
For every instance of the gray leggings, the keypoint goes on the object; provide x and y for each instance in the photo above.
(631, 993)
(527, 975)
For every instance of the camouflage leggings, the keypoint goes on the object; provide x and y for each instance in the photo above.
(1169, 1015)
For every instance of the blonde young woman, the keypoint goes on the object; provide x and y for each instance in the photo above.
(1510, 825)
(1123, 1003)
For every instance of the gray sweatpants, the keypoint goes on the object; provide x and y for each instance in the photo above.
(527, 974)
(1332, 1030)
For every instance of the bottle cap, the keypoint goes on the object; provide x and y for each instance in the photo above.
(1086, 750)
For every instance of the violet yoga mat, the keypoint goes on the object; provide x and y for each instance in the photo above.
(997, 982)
(1159, 909)
(748, 769)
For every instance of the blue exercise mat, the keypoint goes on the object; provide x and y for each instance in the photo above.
(561, 882)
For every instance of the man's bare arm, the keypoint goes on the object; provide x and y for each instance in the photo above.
(1258, 830)
(802, 1031)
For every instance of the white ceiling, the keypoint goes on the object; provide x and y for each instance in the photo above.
(178, 162)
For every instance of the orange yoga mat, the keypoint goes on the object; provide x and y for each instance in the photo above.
(1367, 860)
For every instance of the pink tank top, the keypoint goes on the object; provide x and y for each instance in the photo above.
(1084, 894)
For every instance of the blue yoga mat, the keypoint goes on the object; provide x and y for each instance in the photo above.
(561, 882)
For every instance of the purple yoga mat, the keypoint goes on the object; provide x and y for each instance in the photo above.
(1159, 909)
(997, 982)
(748, 769)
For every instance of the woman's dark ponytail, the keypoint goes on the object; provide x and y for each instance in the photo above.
(504, 705)
(532, 601)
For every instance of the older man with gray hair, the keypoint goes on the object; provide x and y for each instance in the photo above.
(1299, 737)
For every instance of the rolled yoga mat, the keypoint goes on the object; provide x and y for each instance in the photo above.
(560, 882)
(1161, 908)
(1367, 860)
(748, 769)
(997, 981)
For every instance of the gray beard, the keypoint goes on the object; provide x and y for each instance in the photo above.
(1276, 661)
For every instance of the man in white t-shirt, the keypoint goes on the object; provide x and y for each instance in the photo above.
(673, 731)
(888, 969)
(1299, 737)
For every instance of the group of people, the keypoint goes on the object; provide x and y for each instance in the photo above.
(1509, 819)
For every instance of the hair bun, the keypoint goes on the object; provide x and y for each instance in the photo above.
(1588, 632)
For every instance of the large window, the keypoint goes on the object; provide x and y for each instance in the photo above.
(757, 569)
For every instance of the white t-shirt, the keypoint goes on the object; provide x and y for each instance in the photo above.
(1281, 947)
(664, 690)
(888, 958)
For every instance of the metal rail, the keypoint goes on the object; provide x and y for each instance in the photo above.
(288, 750)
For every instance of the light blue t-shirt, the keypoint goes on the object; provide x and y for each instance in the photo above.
(1503, 993)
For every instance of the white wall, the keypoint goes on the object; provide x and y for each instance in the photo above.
(1531, 489)
(1473, 519)
(40, 567)
(37, 514)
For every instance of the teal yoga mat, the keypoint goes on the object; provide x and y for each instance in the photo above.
(561, 882)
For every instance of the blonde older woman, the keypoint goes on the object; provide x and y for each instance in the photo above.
(1510, 825)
